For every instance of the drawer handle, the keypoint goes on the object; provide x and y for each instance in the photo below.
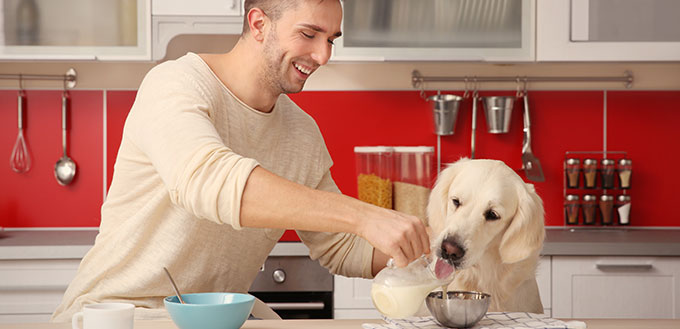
(296, 306)
(605, 267)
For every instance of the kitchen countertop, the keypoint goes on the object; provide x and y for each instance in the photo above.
(356, 324)
(73, 244)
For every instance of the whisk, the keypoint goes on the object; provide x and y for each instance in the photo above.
(20, 161)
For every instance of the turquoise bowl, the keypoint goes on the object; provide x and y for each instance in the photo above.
(211, 310)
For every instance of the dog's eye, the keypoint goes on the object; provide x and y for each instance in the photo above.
(491, 215)
(456, 202)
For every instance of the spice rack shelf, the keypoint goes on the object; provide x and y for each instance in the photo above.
(596, 189)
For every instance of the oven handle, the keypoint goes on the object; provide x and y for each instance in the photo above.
(297, 306)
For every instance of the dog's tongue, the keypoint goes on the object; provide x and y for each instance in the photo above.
(442, 269)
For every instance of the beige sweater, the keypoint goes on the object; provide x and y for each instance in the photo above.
(187, 150)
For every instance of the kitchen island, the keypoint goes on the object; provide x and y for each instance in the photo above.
(356, 324)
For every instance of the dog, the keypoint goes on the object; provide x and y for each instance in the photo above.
(488, 224)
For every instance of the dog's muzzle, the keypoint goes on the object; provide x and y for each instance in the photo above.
(452, 251)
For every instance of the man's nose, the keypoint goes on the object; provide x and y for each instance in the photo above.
(322, 53)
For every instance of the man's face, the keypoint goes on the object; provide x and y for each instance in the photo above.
(299, 42)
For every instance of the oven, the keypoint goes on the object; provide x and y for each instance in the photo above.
(295, 287)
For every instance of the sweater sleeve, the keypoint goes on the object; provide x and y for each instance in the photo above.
(171, 125)
(341, 253)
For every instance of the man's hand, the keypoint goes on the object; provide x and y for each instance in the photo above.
(397, 235)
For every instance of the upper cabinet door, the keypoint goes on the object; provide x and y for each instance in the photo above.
(608, 30)
(196, 7)
(437, 30)
(75, 30)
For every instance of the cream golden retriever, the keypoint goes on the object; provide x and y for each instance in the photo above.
(488, 224)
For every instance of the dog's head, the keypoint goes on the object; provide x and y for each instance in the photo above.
(477, 206)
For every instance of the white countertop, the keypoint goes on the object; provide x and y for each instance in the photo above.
(356, 324)
(74, 244)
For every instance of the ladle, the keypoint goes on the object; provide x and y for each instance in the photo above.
(65, 168)
(174, 286)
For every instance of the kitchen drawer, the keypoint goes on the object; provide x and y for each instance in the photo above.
(616, 287)
(30, 290)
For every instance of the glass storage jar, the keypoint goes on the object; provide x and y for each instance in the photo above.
(414, 172)
(374, 174)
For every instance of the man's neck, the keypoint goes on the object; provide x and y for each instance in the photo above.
(239, 72)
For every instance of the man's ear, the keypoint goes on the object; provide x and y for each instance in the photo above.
(257, 20)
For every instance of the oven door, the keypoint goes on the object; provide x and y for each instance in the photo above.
(295, 287)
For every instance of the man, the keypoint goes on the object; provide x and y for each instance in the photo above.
(215, 163)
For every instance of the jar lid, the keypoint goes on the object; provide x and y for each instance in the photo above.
(625, 162)
(573, 161)
(589, 197)
(589, 161)
(572, 197)
(413, 149)
(372, 149)
(624, 198)
(605, 197)
(608, 162)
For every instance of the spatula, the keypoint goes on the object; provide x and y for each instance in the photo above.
(531, 164)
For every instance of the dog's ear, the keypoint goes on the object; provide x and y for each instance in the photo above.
(526, 232)
(438, 202)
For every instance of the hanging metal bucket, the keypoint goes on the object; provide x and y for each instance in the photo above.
(445, 112)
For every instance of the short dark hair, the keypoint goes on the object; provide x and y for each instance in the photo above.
(273, 8)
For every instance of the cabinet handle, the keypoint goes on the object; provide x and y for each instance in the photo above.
(605, 267)
(233, 4)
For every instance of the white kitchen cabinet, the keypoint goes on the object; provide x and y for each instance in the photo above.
(352, 299)
(608, 30)
(455, 30)
(352, 296)
(75, 30)
(30, 290)
(171, 18)
(197, 7)
(544, 281)
(615, 287)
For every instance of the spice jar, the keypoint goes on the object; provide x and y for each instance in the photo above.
(625, 169)
(623, 209)
(571, 170)
(571, 208)
(607, 173)
(374, 174)
(589, 172)
(606, 209)
(414, 172)
(589, 209)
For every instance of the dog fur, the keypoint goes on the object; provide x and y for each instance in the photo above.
(495, 234)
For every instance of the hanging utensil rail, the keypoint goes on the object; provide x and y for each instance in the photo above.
(69, 78)
(417, 79)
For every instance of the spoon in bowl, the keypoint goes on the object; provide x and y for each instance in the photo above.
(174, 286)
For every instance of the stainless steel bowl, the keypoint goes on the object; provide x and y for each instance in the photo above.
(459, 309)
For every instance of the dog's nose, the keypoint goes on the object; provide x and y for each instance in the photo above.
(452, 250)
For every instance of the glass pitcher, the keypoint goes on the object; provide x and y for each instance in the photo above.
(399, 292)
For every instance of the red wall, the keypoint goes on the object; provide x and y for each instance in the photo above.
(642, 123)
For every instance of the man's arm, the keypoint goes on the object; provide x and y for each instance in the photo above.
(273, 202)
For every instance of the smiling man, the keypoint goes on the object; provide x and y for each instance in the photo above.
(216, 161)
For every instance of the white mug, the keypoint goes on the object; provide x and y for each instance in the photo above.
(105, 316)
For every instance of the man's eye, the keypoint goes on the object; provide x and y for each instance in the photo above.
(308, 36)
(331, 42)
